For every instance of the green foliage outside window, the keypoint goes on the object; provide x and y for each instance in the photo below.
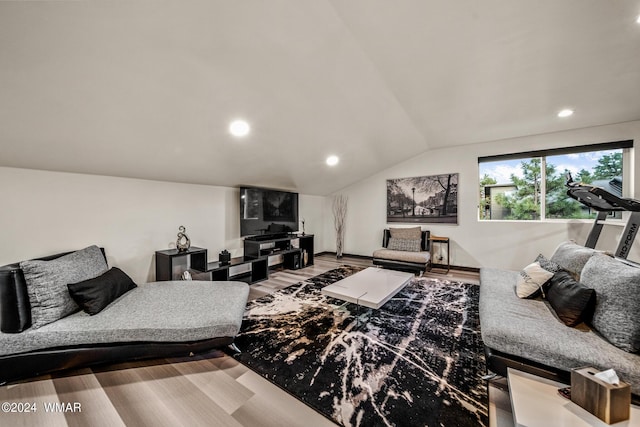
(524, 203)
(609, 165)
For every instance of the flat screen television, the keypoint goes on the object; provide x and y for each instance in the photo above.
(266, 212)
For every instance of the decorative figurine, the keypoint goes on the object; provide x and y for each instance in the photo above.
(224, 257)
(303, 226)
(183, 243)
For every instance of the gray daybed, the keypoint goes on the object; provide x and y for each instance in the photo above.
(157, 319)
(526, 334)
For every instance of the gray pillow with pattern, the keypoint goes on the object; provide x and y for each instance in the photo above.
(409, 245)
(547, 264)
(617, 286)
(407, 233)
(47, 283)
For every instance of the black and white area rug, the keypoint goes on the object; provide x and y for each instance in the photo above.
(418, 361)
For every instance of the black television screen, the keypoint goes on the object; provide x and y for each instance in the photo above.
(265, 211)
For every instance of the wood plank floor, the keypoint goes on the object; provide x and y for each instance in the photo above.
(210, 389)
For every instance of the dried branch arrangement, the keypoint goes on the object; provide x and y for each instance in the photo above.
(339, 221)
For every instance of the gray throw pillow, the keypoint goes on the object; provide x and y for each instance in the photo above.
(47, 283)
(407, 233)
(409, 245)
(547, 264)
(616, 314)
(572, 257)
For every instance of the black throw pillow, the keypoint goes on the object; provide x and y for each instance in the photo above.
(572, 301)
(95, 294)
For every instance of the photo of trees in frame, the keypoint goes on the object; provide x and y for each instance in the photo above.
(423, 199)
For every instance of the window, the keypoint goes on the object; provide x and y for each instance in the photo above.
(532, 186)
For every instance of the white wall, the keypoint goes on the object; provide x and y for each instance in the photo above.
(477, 243)
(48, 212)
(312, 211)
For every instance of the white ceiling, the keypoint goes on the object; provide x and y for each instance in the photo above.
(146, 89)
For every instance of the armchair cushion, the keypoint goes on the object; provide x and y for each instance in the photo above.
(411, 245)
(406, 233)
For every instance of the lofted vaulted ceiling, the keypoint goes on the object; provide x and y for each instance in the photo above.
(146, 89)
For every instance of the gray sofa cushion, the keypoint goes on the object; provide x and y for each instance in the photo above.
(47, 283)
(572, 257)
(529, 329)
(617, 311)
(404, 256)
(179, 311)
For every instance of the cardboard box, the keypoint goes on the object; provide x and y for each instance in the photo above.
(606, 401)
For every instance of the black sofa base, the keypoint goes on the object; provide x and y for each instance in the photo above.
(498, 362)
(26, 365)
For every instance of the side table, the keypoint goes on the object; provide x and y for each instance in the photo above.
(171, 263)
(535, 402)
(440, 241)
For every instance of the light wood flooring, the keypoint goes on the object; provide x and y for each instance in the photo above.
(211, 389)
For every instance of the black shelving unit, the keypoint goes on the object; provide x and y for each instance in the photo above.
(171, 263)
(262, 248)
(440, 241)
(290, 247)
(257, 270)
(251, 268)
(292, 260)
(306, 246)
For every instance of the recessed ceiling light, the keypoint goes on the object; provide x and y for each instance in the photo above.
(239, 128)
(638, 19)
(332, 160)
(565, 113)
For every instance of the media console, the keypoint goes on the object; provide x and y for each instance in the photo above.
(291, 252)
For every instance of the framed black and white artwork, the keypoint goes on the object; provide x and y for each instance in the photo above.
(423, 199)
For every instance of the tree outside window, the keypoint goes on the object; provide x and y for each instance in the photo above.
(514, 190)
